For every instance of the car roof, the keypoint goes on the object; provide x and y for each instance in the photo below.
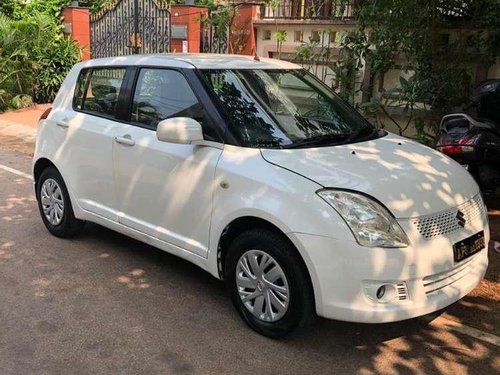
(194, 60)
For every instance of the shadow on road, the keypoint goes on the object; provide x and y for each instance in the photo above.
(408, 347)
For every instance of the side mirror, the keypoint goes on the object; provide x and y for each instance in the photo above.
(183, 130)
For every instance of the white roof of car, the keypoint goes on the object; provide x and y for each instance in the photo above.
(194, 60)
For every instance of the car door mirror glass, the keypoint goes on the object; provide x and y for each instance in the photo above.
(183, 130)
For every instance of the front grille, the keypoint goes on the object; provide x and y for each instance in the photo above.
(446, 222)
(441, 280)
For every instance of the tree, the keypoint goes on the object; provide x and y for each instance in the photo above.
(440, 42)
(222, 17)
(280, 38)
(317, 53)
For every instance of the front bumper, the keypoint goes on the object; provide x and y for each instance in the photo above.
(345, 276)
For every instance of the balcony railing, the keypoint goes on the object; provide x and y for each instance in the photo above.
(311, 9)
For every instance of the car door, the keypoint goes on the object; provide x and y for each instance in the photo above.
(165, 189)
(88, 128)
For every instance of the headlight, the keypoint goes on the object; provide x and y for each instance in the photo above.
(371, 224)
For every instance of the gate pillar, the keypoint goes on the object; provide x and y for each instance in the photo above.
(186, 27)
(76, 21)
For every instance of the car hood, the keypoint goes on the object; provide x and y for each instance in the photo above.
(408, 178)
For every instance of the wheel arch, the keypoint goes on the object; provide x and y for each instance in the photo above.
(241, 224)
(39, 166)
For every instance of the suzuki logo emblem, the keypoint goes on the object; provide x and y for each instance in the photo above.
(460, 218)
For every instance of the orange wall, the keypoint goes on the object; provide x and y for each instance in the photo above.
(190, 16)
(243, 22)
(79, 19)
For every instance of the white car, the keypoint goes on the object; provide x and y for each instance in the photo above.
(258, 173)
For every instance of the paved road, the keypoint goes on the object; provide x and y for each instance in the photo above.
(104, 303)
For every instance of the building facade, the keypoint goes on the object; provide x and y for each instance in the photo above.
(319, 24)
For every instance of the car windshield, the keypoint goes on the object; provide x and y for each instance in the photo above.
(284, 109)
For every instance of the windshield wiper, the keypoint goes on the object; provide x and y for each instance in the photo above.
(319, 140)
(356, 136)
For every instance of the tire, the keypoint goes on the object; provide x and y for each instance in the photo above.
(270, 249)
(52, 190)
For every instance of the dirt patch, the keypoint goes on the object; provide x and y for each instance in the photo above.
(18, 128)
(26, 116)
(9, 142)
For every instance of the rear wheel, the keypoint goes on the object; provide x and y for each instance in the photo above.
(55, 206)
(268, 282)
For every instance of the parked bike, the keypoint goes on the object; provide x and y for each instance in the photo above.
(474, 140)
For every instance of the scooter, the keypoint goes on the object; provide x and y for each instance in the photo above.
(475, 142)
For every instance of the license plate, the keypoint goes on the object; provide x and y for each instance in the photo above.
(468, 247)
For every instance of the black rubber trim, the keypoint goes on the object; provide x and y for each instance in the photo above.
(123, 111)
(121, 96)
(193, 83)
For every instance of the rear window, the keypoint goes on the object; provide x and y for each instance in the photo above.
(98, 89)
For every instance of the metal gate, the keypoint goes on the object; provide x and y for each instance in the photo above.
(214, 40)
(130, 27)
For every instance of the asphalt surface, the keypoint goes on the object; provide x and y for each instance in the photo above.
(104, 303)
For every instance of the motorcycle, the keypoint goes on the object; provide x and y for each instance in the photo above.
(474, 142)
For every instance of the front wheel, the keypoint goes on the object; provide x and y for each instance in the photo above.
(55, 206)
(268, 282)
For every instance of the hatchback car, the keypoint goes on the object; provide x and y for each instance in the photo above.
(258, 173)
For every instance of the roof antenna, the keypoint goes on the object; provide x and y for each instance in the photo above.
(255, 56)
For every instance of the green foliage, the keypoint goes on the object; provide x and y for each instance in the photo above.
(280, 38)
(10, 7)
(50, 8)
(311, 55)
(210, 4)
(347, 66)
(273, 4)
(350, 64)
(34, 59)
(19, 9)
(440, 43)
(221, 17)
(21, 101)
(97, 5)
(54, 64)
(437, 43)
(405, 98)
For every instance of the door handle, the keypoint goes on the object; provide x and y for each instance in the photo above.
(125, 140)
(63, 124)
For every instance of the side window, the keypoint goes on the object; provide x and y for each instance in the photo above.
(162, 94)
(98, 90)
(81, 84)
